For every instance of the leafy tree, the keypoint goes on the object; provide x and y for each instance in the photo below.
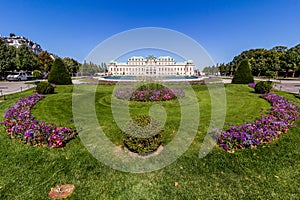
(258, 61)
(272, 61)
(277, 59)
(71, 65)
(270, 74)
(290, 61)
(89, 68)
(4, 60)
(222, 69)
(296, 49)
(59, 73)
(103, 67)
(12, 58)
(243, 73)
(211, 70)
(26, 59)
(45, 61)
(7, 57)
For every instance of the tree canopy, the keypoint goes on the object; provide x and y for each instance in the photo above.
(279, 59)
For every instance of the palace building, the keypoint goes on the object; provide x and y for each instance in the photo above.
(151, 66)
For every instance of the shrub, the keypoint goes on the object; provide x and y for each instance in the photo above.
(263, 87)
(59, 73)
(151, 86)
(45, 88)
(37, 74)
(270, 74)
(243, 73)
(142, 134)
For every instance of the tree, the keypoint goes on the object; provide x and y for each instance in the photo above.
(89, 68)
(270, 74)
(272, 61)
(258, 61)
(59, 73)
(290, 61)
(222, 69)
(4, 64)
(243, 73)
(296, 49)
(26, 59)
(45, 61)
(103, 67)
(71, 65)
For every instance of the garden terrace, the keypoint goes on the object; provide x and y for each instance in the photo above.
(266, 172)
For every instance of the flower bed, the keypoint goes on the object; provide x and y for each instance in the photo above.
(146, 95)
(252, 85)
(280, 118)
(21, 125)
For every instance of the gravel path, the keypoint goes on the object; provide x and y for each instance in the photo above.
(284, 85)
(13, 87)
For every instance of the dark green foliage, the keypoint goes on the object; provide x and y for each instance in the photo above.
(243, 74)
(45, 87)
(151, 86)
(263, 87)
(27, 60)
(71, 65)
(7, 57)
(59, 74)
(270, 74)
(45, 61)
(141, 139)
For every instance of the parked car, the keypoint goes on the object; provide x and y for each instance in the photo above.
(19, 76)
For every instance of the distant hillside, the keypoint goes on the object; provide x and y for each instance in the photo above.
(17, 41)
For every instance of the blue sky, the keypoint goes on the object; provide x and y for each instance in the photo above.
(224, 28)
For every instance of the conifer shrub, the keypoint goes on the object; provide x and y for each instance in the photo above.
(45, 87)
(243, 73)
(59, 74)
(263, 87)
(142, 134)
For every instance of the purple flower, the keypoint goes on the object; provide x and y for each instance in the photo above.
(252, 85)
(21, 125)
(281, 116)
(163, 94)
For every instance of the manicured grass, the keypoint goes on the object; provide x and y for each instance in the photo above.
(270, 172)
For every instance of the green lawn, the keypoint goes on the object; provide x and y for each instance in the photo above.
(269, 172)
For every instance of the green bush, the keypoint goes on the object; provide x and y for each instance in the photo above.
(263, 87)
(37, 74)
(59, 74)
(142, 134)
(150, 86)
(270, 74)
(45, 87)
(243, 73)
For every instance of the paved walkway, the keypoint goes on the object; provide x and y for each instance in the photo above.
(284, 85)
(18, 86)
(288, 86)
(13, 87)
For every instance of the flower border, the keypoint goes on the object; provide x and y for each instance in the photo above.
(280, 118)
(21, 125)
